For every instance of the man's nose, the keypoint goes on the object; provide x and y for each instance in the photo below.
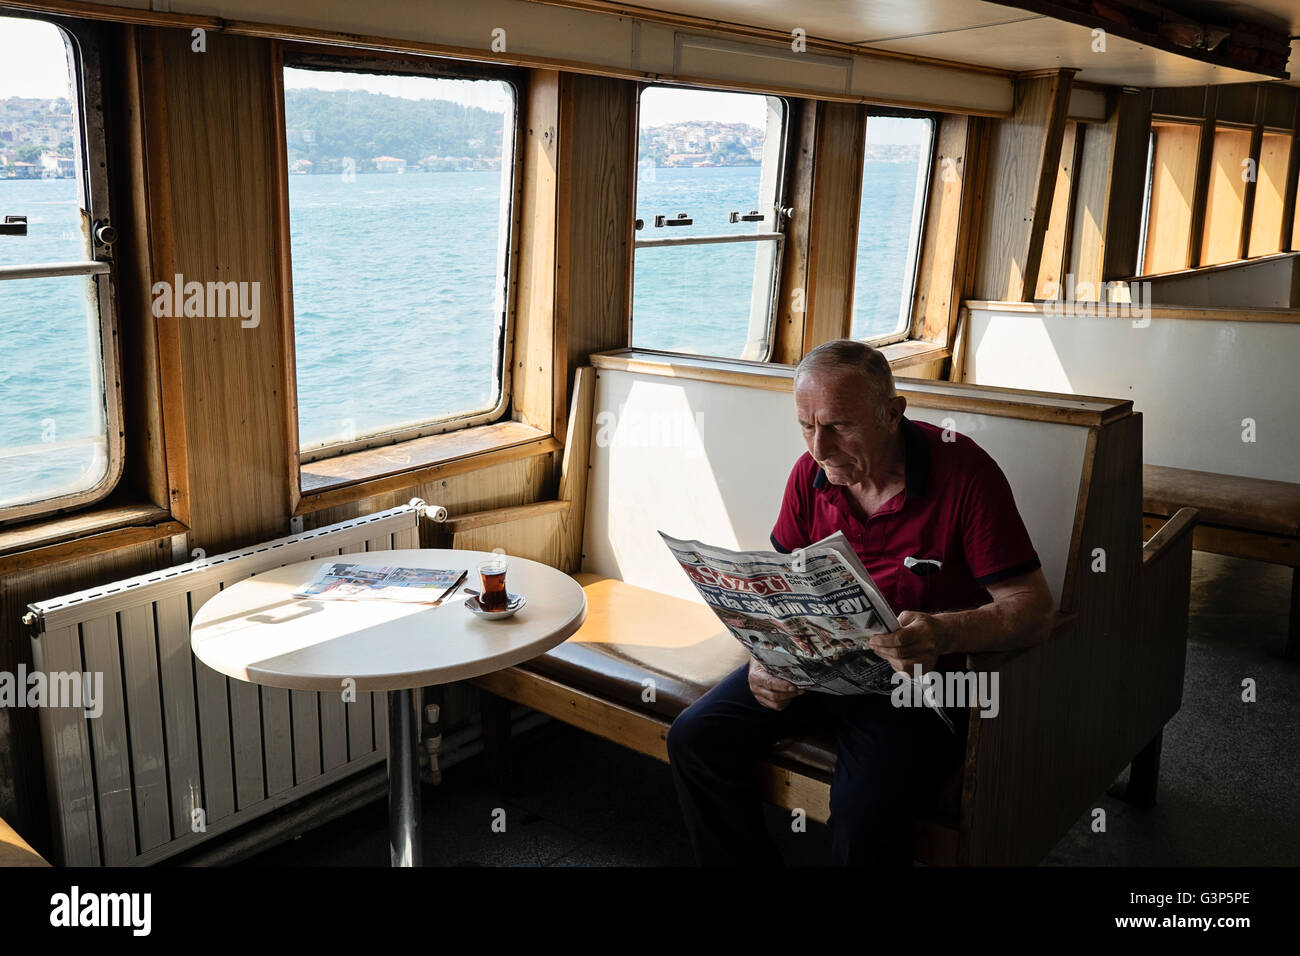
(821, 443)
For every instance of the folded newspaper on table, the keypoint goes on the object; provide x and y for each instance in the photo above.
(338, 581)
(806, 617)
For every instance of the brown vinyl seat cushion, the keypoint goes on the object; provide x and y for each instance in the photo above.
(1253, 504)
(632, 633)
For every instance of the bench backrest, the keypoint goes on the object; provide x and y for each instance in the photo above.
(709, 460)
(1195, 380)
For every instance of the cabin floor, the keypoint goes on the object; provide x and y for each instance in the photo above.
(1227, 795)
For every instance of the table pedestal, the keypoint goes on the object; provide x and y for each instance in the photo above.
(404, 837)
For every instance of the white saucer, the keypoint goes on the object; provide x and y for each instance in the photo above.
(515, 602)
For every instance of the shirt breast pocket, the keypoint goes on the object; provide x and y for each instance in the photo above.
(924, 583)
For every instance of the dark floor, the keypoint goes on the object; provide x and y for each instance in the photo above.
(1229, 779)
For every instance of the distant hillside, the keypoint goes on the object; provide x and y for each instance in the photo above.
(327, 127)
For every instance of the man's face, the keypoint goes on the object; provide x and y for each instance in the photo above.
(841, 428)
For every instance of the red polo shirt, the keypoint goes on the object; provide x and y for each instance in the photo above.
(957, 508)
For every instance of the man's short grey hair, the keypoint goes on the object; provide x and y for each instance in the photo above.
(849, 357)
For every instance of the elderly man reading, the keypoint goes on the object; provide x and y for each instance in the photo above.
(898, 489)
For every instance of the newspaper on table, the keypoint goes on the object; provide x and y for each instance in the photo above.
(806, 617)
(340, 581)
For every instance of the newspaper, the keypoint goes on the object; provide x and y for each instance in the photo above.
(355, 582)
(806, 617)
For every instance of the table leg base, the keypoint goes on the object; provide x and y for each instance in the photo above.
(405, 845)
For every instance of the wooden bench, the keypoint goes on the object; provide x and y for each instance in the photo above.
(1074, 711)
(1240, 517)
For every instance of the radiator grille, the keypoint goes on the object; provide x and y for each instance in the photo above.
(175, 736)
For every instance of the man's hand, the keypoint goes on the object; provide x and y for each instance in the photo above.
(772, 692)
(920, 639)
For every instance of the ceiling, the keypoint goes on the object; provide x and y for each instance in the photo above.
(988, 34)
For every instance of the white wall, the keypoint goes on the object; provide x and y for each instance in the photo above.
(710, 461)
(1194, 381)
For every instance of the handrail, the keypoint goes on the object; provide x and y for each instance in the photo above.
(48, 270)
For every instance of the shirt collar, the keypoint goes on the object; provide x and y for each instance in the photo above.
(917, 466)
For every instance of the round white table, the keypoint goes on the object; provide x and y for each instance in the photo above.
(256, 630)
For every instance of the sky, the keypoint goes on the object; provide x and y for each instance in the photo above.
(33, 63)
(33, 59)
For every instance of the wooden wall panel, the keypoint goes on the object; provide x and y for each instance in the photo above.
(833, 222)
(219, 137)
(598, 166)
(535, 345)
(1270, 194)
(1021, 178)
(1172, 183)
(1225, 202)
(945, 242)
(1054, 262)
(1128, 180)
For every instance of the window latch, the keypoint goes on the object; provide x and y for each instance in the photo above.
(754, 216)
(14, 226)
(680, 220)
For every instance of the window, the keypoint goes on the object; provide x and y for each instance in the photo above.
(895, 175)
(60, 406)
(400, 189)
(709, 225)
(1224, 206)
(1172, 185)
(1270, 189)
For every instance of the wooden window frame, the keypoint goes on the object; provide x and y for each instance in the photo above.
(519, 426)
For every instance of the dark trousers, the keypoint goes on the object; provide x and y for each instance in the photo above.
(891, 763)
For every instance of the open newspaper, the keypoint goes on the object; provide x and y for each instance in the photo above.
(806, 617)
(339, 581)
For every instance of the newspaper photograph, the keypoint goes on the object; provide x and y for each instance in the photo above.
(339, 581)
(806, 617)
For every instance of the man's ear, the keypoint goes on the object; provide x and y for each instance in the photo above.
(897, 405)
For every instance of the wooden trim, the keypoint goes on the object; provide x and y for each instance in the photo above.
(1287, 316)
(1201, 184)
(1234, 542)
(1060, 408)
(162, 258)
(946, 238)
(483, 519)
(535, 377)
(1292, 176)
(833, 223)
(1076, 533)
(361, 483)
(90, 545)
(361, 41)
(284, 262)
(575, 468)
(788, 333)
(1171, 532)
(1253, 151)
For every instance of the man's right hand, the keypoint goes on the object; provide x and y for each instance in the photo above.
(773, 693)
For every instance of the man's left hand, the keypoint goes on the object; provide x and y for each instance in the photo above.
(920, 639)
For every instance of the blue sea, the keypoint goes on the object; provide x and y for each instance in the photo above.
(394, 286)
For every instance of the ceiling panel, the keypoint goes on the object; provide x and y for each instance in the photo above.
(985, 34)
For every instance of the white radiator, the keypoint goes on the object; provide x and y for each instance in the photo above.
(176, 737)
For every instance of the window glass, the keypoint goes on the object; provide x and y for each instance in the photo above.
(55, 415)
(705, 158)
(399, 209)
(895, 173)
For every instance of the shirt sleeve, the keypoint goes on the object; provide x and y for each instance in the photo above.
(994, 537)
(791, 530)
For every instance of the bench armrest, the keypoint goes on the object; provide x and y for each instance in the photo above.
(1166, 540)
